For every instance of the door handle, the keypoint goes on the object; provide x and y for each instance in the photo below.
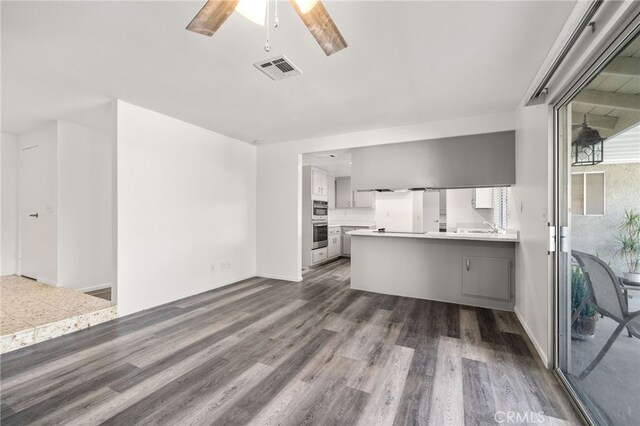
(33, 215)
(468, 264)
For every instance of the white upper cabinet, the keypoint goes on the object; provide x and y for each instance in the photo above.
(364, 199)
(483, 198)
(331, 192)
(343, 193)
(348, 199)
(319, 188)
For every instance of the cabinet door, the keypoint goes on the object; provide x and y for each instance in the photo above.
(363, 199)
(483, 198)
(331, 192)
(315, 181)
(343, 193)
(322, 182)
(486, 277)
(318, 184)
(318, 255)
(334, 246)
(346, 241)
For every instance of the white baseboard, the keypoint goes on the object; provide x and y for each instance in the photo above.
(281, 277)
(47, 282)
(534, 341)
(202, 290)
(93, 288)
(237, 280)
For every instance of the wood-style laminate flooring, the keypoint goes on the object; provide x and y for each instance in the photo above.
(264, 351)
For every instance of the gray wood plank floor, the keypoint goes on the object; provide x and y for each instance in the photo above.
(264, 351)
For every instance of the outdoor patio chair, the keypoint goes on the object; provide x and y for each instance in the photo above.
(607, 296)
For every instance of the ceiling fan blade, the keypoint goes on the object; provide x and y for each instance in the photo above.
(212, 16)
(322, 28)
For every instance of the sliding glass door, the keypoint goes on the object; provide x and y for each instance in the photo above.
(598, 254)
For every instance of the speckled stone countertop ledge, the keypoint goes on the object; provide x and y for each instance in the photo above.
(502, 238)
(31, 312)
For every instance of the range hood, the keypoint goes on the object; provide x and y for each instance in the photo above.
(432, 188)
(398, 189)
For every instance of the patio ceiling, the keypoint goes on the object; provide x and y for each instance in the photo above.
(612, 100)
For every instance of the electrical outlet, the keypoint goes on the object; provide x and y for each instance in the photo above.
(212, 268)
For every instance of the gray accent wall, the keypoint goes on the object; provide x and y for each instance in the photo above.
(457, 162)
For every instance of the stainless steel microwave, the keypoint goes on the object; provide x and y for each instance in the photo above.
(320, 210)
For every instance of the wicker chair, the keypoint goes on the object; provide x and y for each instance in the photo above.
(607, 296)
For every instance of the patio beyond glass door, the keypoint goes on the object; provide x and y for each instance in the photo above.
(598, 257)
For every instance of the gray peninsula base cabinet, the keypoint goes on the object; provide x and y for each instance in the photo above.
(477, 273)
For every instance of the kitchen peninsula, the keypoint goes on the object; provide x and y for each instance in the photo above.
(465, 268)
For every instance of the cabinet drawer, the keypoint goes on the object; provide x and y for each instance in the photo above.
(486, 277)
(318, 255)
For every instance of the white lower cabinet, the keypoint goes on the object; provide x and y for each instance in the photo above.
(486, 277)
(346, 241)
(318, 255)
(334, 242)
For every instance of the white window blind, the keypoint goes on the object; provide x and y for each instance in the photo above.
(500, 207)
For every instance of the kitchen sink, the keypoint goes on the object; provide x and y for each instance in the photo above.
(476, 231)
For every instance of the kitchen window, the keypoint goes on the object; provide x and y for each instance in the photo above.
(500, 208)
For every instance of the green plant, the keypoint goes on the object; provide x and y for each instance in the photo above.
(579, 293)
(629, 240)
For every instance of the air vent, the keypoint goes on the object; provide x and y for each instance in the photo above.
(278, 68)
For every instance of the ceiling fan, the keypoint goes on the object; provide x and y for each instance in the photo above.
(312, 12)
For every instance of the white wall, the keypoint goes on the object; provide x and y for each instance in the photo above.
(75, 216)
(279, 172)
(84, 207)
(9, 210)
(531, 198)
(186, 201)
(352, 216)
(460, 208)
(394, 211)
(46, 139)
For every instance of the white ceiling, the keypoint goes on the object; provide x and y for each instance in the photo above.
(605, 90)
(407, 62)
(337, 162)
(623, 148)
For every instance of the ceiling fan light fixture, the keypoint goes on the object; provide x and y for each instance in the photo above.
(253, 10)
(306, 5)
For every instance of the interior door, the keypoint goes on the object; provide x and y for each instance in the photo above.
(431, 211)
(29, 208)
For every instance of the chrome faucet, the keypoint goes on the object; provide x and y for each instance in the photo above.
(493, 227)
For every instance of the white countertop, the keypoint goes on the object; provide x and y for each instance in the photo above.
(354, 224)
(508, 238)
